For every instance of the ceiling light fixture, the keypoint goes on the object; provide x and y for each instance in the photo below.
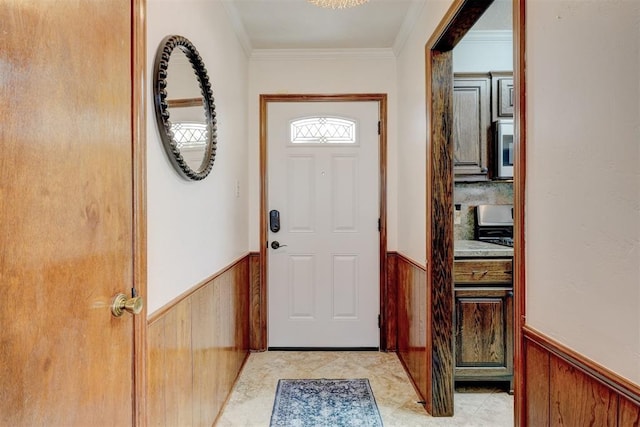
(337, 4)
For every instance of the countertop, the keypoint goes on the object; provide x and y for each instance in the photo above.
(475, 248)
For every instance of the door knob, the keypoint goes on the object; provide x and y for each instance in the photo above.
(275, 245)
(122, 303)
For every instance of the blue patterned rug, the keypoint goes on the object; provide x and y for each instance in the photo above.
(323, 402)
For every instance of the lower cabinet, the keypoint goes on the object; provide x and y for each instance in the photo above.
(483, 320)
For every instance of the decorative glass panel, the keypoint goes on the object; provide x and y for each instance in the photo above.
(189, 134)
(323, 130)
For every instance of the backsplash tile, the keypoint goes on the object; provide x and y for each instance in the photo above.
(471, 194)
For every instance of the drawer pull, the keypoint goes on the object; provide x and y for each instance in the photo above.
(483, 273)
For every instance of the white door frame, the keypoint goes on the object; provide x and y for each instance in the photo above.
(259, 302)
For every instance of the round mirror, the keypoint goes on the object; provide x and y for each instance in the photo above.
(185, 111)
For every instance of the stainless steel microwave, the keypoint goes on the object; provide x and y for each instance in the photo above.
(504, 149)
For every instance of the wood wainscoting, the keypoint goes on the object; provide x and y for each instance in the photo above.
(564, 388)
(411, 310)
(197, 346)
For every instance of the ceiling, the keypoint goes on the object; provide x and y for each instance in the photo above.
(297, 24)
(378, 24)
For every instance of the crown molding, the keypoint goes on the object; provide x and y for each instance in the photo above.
(407, 25)
(238, 26)
(483, 36)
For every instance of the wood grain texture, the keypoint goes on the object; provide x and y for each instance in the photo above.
(565, 388)
(440, 236)
(519, 183)
(577, 400)
(389, 334)
(178, 365)
(439, 95)
(66, 227)
(458, 20)
(258, 322)
(628, 413)
(475, 315)
(387, 294)
(139, 127)
(156, 415)
(411, 315)
(471, 125)
(197, 348)
(483, 271)
(537, 372)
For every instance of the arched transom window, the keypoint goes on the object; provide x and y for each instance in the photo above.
(323, 130)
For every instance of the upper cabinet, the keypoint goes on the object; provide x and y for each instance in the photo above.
(478, 100)
(471, 126)
(502, 95)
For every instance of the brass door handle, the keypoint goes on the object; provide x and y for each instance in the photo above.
(122, 303)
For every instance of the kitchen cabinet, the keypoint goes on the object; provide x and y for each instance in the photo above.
(471, 126)
(502, 95)
(483, 319)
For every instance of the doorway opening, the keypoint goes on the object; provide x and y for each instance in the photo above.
(462, 15)
(265, 229)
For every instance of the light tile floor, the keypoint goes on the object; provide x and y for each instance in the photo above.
(251, 400)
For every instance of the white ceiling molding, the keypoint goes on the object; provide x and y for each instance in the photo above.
(238, 26)
(407, 25)
(488, 36)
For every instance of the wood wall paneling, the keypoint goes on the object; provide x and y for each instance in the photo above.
(537, 385)
(258, 304)
(197, 347)
(389, 303)
(157, 387)
(577, 400)
(411, 314)
(563, 388)
(628, 413)
(178, 363)
(205, 312)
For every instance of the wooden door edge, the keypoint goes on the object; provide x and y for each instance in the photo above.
(139, 153)
(519, 184)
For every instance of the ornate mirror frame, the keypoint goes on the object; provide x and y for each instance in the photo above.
(162, 103)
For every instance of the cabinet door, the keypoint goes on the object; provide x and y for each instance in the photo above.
(471, 127)
(502, 95)
(483, 334)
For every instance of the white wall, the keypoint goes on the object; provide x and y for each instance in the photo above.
(197, 228)
(583, 171)
(583, 178)
(320, 72)
(483, 51)
(412, 137)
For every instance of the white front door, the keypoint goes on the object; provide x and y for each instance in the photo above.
(323, 179)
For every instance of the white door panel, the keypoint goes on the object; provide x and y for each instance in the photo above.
(323, 286)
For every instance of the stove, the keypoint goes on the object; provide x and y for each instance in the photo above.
(504, 241)
(494, 224)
